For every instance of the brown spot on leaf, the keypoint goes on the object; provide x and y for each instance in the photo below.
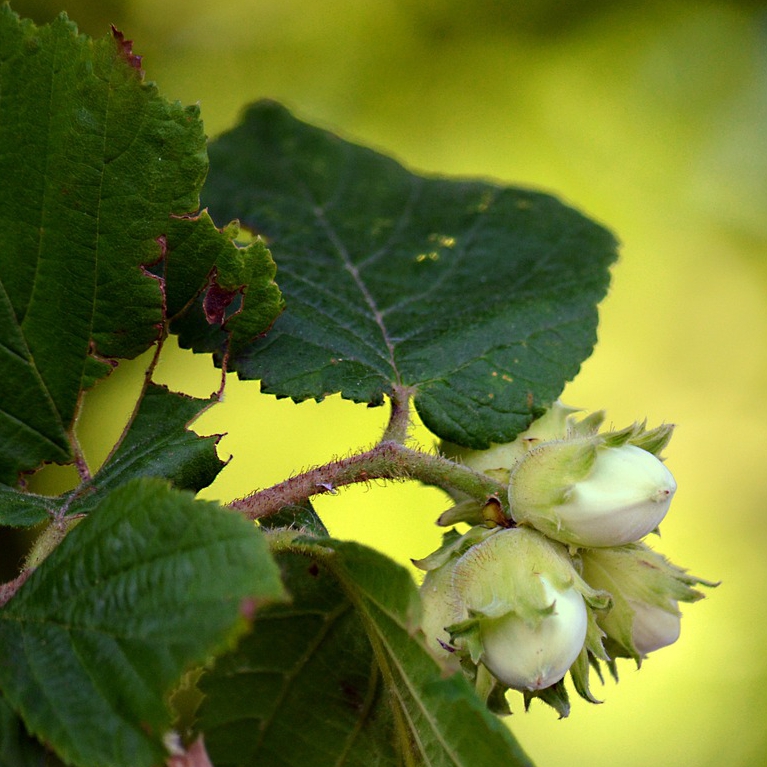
(126, 49)
(194, 756)
(248, 609)
(354, 698)
(216, 301)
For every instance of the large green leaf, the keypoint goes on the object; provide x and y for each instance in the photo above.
(341, 677)
(482, 297)
(99, 179)
(303, 687)
(156, 444)
(150, 583)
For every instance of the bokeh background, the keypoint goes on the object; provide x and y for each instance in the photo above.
(649, 116)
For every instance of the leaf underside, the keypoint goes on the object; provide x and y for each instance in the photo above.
(481, 297)
(340, 677)
(302, 688)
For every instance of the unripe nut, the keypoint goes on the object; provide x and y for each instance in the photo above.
(654, 627)
(534, 657)
(512, 602)
(623, 496)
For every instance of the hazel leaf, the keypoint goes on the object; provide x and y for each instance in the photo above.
(150, 583)
(350, 635)
(158, 443)
(99, 201)
(480, 297)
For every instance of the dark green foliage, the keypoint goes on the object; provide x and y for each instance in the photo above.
(476, 298)
(99, 633)
(92, 189)
(156, 444)
(341, 677)
(481, 297)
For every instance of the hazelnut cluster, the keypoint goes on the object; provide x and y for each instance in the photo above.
(567, 582)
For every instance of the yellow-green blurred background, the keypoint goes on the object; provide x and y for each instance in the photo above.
(650, 117)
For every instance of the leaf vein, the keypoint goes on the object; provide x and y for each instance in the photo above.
(367, 296)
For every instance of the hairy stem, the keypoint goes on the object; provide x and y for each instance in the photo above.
(387, 460)
(82, 465)
(399, 420)
(7, 590)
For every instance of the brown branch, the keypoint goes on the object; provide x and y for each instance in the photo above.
(7, 590)
(387, 460)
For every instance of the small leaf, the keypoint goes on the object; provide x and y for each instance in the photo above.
(482, 297)
(22, 509)
(149, 584)
(157, 444)
(160, 444)
(340, 677)
(301, 517)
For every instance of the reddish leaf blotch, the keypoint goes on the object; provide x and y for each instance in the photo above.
(126, 48)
